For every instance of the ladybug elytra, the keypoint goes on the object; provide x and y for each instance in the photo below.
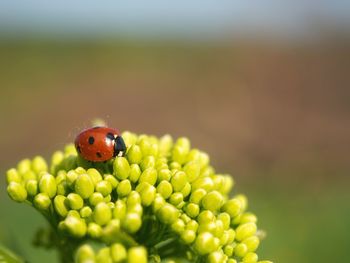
(99, 144)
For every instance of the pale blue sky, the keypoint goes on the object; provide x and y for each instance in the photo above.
(179, 18)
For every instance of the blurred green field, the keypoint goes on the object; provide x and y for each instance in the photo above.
(275, 117)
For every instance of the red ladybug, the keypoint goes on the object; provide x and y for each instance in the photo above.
(99, 144)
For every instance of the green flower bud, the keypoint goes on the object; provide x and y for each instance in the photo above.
(231, 260)
(265, 261)
(104, 187)
(212, 201)
(13, 176)
(227, 184)
(94, 230)
(60, 205)
(244, 201)
(252, 243)
(158, 203)
(102, 214)
(165, 145)
(241, 250)
(246, 230)
(61, 176)
(165, 189)
(133, 198)
(149, 176)
(24, 166)
(107, 199)
(84, 186)
(228, 250)
(216, 257)
(176, 198)
(185, 218)
(203, 159)
(119, 209)
(188, 236)
(129, 138)
(132, 222)
(124, 188)
(94, 175)
(80, 170)
(192, 225)
(104, 256)
(111, 232)
(209, 171)
(179, 154)
(178, 226)
(137, 255)
(175, 166)
(75, 201)
(231, 235)
(112, 180)
(186, 190)
(233, 207)
(62, 188)
(250, 258)
(29, 175)
(205, 216)
(70, 149)
(183, 142)
(193, 155)
(73, 213)
(147, 193)
(148, 162)
(17, 192)
(154, 149)
(118, 252)
(134, 154)
(32, 187)
(85, 254)
(39, 164)
(248, 218)
(219, 230)
(205, 183)
(86, 212)
(42, 201)
(197, 195)
(204, 243)
(135, 173)
(225, 218)
(207, 227)
(179, 181)
(167, 214)
(56, 160)
(224, 238)
(164, 174)
(71, 177)
(192, 170)
(121, 168)
(192, 210)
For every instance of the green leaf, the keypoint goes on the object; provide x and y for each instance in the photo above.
(7, 256)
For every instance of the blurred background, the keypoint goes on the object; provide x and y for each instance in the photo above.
(263, 88)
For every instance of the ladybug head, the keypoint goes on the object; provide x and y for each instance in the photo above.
(119, 146)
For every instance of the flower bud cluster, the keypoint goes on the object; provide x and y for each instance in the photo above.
(162, 200)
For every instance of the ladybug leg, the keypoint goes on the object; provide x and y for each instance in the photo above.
(119, 146)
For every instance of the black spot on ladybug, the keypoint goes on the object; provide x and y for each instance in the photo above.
(110, 136)
(78, 149)
(91, 140)
(99, 155)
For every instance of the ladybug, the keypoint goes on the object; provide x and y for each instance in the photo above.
(99, 144)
